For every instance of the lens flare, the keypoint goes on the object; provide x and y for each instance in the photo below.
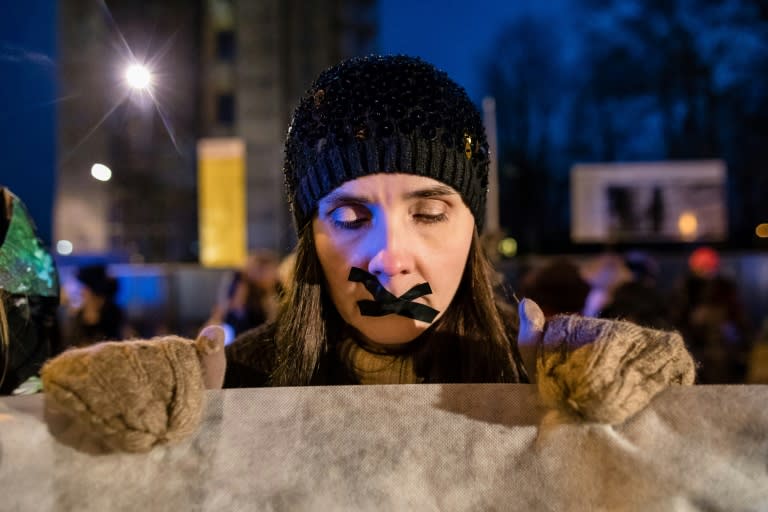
(138, 76)
(508, 247)
(101, 172)
(688, 226)
(64, 247)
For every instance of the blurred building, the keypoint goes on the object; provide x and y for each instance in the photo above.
(258, 57)
(222, 68)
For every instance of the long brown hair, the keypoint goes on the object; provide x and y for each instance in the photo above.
(476, 338)
(474, 341)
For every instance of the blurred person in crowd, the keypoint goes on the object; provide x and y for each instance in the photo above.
(604, 273)
(557, 287)
(252, 294)
(99, 317)
(639, 299)
(29, 298)
(709, 313)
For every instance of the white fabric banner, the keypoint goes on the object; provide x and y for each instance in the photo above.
(419, 447)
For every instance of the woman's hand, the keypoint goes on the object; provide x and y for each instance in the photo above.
(601, 370)
(132, 395)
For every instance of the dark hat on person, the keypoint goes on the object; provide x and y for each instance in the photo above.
(384, 114)
(96, 278)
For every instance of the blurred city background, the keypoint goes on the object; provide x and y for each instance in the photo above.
(146, 136)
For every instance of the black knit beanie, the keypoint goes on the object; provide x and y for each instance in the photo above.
(391, 114)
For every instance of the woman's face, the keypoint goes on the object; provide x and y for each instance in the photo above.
(403, 229)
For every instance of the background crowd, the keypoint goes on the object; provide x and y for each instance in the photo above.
(703, 302)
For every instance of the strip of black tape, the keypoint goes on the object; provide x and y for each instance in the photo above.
(386, 303)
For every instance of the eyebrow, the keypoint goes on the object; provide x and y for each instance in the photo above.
(338, 197)
(438, 190)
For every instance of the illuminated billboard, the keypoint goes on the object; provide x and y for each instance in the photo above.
(674, 201)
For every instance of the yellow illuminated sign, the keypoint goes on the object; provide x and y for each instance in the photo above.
(221, 202)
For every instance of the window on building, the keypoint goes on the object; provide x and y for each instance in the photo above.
(225, 109)
(226, 45)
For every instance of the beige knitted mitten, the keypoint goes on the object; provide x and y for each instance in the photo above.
(132, 395)
(602, 370)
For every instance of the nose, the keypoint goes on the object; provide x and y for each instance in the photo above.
(392, 252)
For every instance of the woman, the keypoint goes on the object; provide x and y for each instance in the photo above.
(386, 171)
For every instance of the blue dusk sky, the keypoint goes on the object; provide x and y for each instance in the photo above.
(457, 36)
(27, 110)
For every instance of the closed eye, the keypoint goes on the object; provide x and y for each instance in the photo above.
(350, 216)
(430, 211)
(430, 219)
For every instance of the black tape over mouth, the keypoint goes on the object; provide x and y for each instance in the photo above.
(385, 303)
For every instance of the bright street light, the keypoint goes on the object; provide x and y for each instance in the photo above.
(138, 76)
(101, 172)
(64, 247)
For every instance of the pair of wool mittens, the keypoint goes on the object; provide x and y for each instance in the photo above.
(133, 395)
